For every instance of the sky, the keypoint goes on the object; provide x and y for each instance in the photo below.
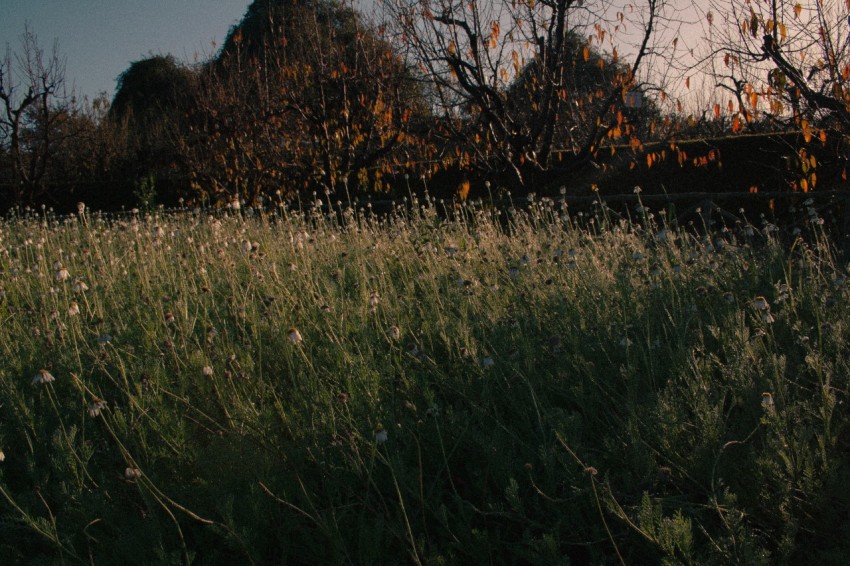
(99, 39)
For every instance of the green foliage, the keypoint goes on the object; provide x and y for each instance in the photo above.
(331, 387)
(145, 193)
(150, 88)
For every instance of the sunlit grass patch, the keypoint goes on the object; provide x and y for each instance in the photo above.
(331, 386)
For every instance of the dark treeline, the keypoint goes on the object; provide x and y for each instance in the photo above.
(313, 96)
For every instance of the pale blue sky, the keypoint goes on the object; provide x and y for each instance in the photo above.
(100, 38)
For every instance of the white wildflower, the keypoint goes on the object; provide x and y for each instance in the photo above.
(394, 332)
(380, 434)
(42, 376)
(96, 406)
(295, 336)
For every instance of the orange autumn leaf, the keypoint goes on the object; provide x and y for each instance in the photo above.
(807, 131)
(736, 125)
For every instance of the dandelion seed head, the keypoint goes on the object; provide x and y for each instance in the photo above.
(380, 434)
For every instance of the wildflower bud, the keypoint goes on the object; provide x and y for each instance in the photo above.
(767, 402)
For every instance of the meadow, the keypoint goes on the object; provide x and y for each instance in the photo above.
(444, 383)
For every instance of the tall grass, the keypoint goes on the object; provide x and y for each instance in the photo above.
(439, 385)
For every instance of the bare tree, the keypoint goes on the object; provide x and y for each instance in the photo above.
(518, 78)
(32, 91)
(785, 61)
